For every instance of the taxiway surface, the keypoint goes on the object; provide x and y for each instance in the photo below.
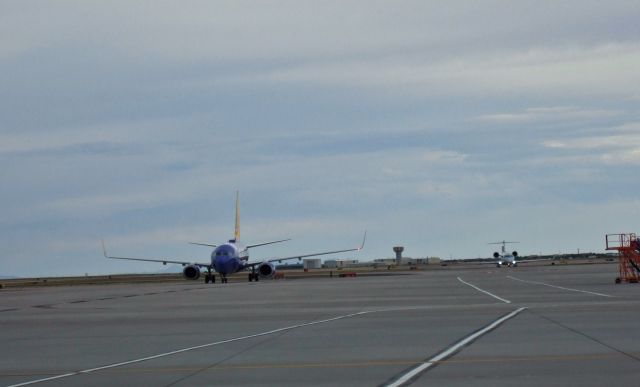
(561, 326)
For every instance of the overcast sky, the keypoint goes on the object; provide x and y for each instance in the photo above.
(436, 125)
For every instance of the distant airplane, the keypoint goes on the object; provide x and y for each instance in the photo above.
(504, 258)
(232, 257)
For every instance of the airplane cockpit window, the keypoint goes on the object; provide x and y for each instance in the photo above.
(223, 252)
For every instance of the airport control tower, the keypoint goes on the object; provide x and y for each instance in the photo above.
(398, 250)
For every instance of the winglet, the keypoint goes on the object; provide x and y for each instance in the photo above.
(104, 249)
(364, 239)
(237, 231)
(267, 243)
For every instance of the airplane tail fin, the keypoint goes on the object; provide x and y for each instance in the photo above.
(236, 235)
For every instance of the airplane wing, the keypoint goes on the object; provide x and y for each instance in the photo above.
(493, 261)
(536, 260)
(163, 261)
(312, 254)
(474, 261)
(249, 246)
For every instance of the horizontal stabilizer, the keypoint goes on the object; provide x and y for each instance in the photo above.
(202, 244)
(268, 243)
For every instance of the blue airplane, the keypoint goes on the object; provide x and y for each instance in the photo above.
(232, 257)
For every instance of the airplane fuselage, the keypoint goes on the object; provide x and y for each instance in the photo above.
(229, 258)
(506, 260)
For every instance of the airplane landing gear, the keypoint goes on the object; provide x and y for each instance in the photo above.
(209, 277)
(253, 276)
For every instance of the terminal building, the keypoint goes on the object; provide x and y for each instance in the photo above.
(407, 261)
(399, 260)
(340, 263)
(311, 263)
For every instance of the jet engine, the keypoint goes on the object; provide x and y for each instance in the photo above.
(515, 253)
(191, 272)
(496, 255)
(266, 270)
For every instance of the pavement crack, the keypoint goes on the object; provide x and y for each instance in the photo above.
(595, 340)
(216, 364)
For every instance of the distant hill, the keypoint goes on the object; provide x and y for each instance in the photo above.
(8, 277)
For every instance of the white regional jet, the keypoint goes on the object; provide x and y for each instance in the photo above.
(232, 257)
(504, 258)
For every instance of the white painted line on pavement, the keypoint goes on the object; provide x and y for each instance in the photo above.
(558, 287)
(140, 360)
(409, 376)
(484, 291)
(190, 349)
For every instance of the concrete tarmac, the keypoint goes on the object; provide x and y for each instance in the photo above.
(577, 328)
